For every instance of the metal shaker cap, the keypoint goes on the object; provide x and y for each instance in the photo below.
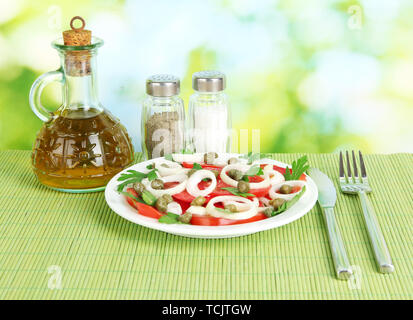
(208, 81)
(162, 85)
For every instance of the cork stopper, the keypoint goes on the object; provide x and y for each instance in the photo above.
(78, 61)
(77, 36)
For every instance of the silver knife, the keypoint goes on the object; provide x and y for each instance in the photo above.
(327, 197)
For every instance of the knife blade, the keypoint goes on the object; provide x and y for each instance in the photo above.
(327, 197)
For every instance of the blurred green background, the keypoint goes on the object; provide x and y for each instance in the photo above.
(312, 76)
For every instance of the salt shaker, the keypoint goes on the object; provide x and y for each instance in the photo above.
(163, 117)
(209, 119)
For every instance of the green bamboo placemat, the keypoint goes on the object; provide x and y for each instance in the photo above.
(72, 246)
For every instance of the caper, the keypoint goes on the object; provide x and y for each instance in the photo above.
(209, 157)
(168, 198)
(198, 201)
(215, 172)
(232, 160)
(235, 174)
(268, 212)
(157, 184)
(161, 204)
(276, 203)
(191, 172)
(185, 218)
(139, 187)
(243, 186)
(231, 207)
(285, 189)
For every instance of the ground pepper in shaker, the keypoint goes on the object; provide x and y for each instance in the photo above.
(209, 115)
(163, 117)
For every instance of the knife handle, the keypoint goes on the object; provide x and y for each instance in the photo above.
(338, 251)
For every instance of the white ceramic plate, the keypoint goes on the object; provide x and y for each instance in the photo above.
(118, 203)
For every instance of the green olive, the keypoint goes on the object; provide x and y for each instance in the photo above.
(185, 218)
(232, 161)
(139, 187)
(235, 174)
(168, 198)
(191, 172)
(243, 186)
(268, 212)
(161, 204)
(209, 157)
(285, 189)
(198, 201)
(157, 184)
(164, 165)
(231, 207)
(277, 203)
(215, 172)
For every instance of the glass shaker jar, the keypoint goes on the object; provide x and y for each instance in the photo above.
(209, 120)
(163, 117)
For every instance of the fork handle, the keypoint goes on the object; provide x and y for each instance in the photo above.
(381, 252)
(338, 251)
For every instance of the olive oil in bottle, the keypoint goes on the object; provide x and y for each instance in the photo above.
(81, 146)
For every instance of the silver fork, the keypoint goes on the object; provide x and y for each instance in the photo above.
(353, 184)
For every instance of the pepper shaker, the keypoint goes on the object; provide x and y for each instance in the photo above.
(209, 114)
(163, 117)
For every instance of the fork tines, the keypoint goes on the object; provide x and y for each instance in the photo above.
(350, 170)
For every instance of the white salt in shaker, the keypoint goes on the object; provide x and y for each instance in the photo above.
(209, 120)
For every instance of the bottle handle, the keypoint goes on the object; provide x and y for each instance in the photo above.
(36, 92)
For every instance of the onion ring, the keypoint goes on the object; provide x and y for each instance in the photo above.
(241, 206)
(277, 177)
(211, 210)
(174, 207)
(242, 167)
(181, 178)
(187, 157)
(172, 167)
(196, 178)
(292, 183)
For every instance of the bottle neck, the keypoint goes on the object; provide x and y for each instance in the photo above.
(80, 85)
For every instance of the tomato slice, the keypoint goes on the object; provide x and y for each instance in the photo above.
(213, 221)
(295, 189)
(184, 196)
(143, 209)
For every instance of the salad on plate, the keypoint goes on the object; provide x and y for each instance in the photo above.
(211, 190)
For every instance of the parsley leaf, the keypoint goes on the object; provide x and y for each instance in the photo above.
(186, 151)
(254, 171)
(253, 157)
(197, 166)
(236, 192)
(288, 204)
(298, 168)
(170, 218)
(152, 175)
(128, 178)
(169, 157)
